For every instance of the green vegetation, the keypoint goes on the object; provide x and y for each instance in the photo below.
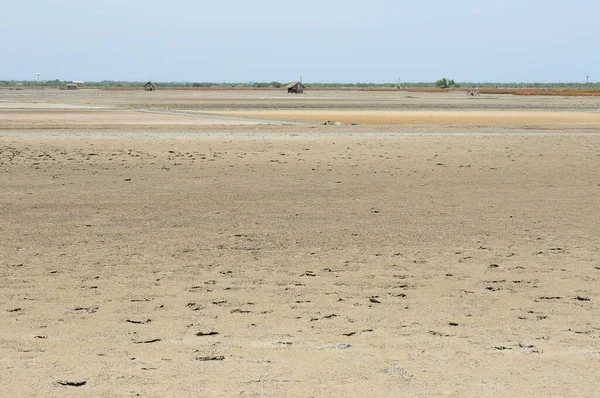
(444, 83)
(267, 85)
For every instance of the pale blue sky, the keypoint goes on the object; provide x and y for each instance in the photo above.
(322, 41)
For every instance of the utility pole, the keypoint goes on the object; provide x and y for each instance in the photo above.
(587, 79)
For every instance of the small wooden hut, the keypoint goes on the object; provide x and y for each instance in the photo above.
(71, 86)
(295, 88)
(150, 86)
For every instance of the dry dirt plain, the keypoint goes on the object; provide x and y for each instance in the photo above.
(228, 244)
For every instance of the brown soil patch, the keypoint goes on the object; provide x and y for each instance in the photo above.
(544, 92)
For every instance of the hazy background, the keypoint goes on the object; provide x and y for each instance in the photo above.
(322, 41)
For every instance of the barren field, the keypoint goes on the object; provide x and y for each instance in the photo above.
(229, 244)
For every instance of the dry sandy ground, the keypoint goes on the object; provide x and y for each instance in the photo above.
(296, 260)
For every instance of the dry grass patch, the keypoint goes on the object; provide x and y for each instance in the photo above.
(438, 118)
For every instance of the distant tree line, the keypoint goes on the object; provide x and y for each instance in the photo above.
(442, 83)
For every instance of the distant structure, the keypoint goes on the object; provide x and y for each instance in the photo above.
(473, 93)
(150, 86)
(71, 86)
(295, 88)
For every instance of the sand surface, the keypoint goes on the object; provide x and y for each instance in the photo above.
(152, 255)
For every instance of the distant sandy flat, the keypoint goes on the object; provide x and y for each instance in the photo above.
(45, 118)
(103, 118)
(41, 106)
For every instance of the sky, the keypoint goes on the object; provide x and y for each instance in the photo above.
(377, 41)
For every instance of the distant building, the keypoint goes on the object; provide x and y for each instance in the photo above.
(150, 86)
(71, 86)
(295, 88)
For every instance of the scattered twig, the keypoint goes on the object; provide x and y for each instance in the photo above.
(206, 333)
(72, 383)
(147, 341)
(211, 358)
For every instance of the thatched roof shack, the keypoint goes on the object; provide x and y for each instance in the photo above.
(295, 87)
(150, 86)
